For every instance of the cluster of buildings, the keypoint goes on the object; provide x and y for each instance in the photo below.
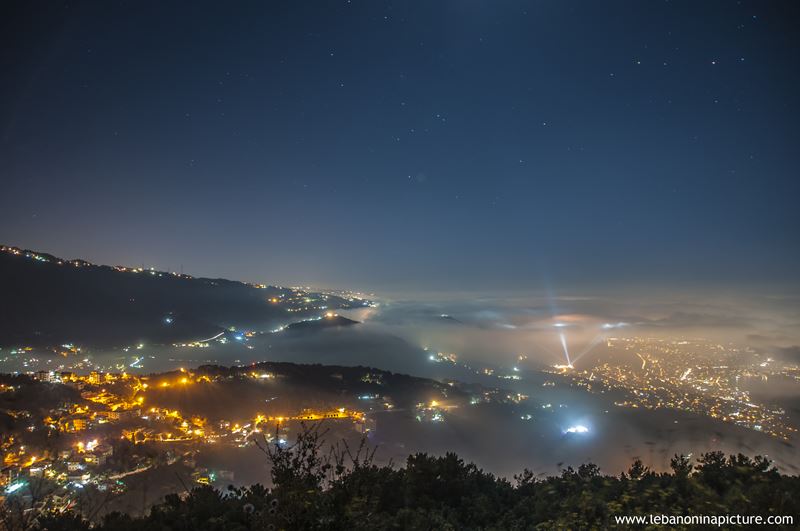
(690, 375)
(80, 437)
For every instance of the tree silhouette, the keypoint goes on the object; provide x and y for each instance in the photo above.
(320, 486)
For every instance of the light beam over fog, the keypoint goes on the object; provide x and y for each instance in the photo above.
(566, 350)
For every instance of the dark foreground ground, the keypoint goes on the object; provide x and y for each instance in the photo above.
(340, 488)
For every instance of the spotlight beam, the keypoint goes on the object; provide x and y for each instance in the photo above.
(566, 350)
(593, 343)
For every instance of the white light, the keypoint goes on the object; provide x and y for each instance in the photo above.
(610, 326)
(577, 429)
(15, 487)
(566, 350)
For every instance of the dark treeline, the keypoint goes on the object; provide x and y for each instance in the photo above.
(339, 487)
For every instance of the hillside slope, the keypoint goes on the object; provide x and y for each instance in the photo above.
(47, 301)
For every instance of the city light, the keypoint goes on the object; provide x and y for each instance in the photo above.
(15, 487)
(577, 429)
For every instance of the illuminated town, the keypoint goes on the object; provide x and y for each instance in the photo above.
(691, 375)
(399, 265)
(117, 406)
(77, 439)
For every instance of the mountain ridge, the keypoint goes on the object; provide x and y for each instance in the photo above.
(49, 301)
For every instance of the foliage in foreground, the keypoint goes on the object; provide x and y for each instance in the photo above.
(343, 489)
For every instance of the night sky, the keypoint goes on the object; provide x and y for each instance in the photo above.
(396, 146)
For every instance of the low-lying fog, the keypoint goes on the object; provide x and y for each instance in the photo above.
(527, 334)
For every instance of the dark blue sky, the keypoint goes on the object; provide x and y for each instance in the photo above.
(406, 146)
